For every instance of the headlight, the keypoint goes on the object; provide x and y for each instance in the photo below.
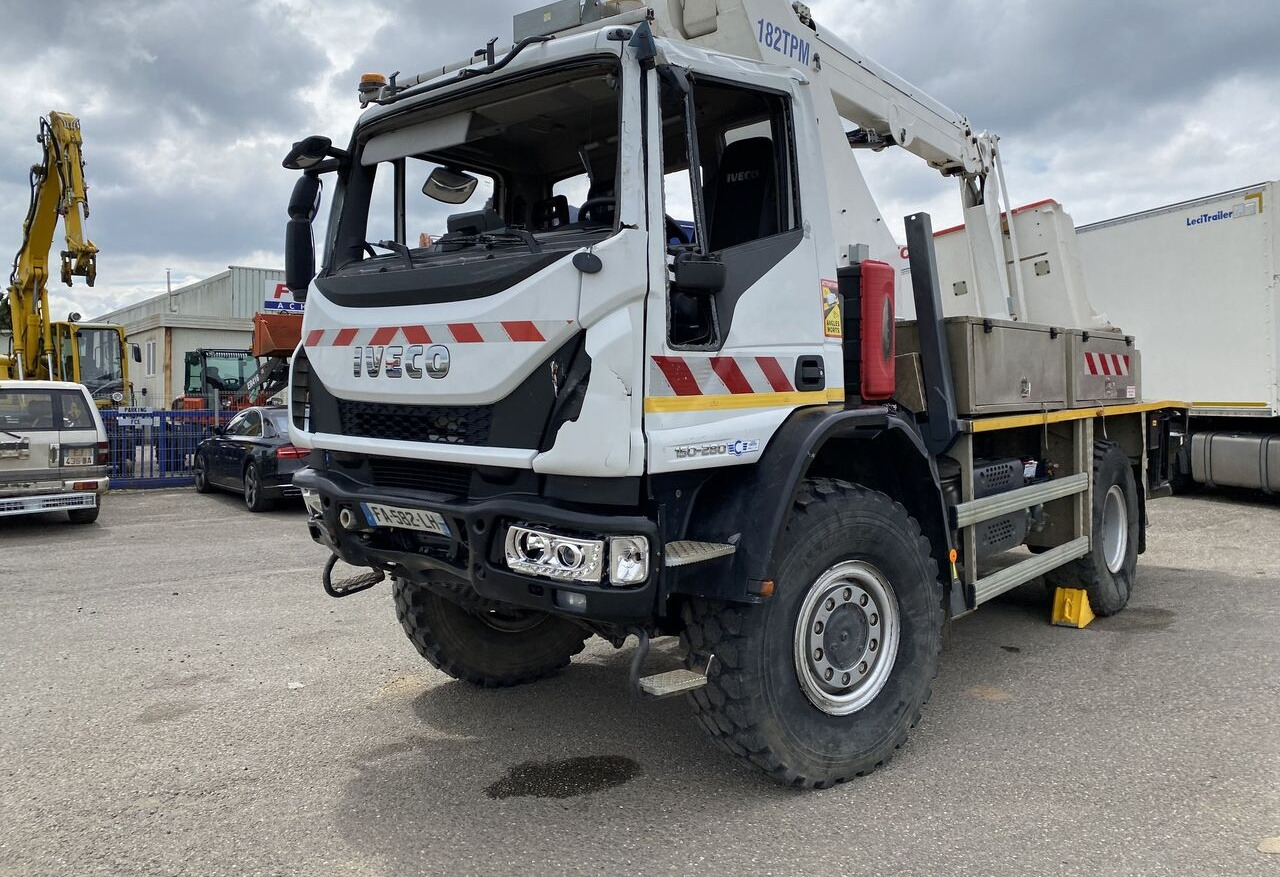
(628, 560)
(565, 558)
(117, 397)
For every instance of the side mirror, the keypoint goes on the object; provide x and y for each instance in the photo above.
(218, 430)
(450, 187)
(696, 273)
(137, 352)
(299, 245)
(308, 152)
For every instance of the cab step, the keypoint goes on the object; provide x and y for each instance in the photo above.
(685, 552)
(672, 682)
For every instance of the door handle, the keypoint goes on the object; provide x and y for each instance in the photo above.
(811, 373)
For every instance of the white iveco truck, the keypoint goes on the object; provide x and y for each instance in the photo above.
(647, 379)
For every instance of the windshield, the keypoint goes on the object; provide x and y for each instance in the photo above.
(225, 370)
(101, 361)
(529, 166)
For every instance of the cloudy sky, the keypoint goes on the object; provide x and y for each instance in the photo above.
(1110, 106)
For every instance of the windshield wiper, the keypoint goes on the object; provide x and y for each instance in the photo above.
(491, 237)
(396, 247)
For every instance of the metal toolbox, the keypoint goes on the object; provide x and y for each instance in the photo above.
(999, 365)
(1102, 367)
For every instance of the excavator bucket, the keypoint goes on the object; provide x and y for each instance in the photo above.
(276, 334)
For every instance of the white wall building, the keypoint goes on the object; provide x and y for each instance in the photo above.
(212, 313)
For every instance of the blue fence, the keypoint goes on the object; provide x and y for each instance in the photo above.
(156, 448)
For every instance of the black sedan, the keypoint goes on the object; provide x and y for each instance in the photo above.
(251, 456)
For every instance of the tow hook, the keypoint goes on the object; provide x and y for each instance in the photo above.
(351, 585)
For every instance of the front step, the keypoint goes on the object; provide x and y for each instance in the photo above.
(681, 681)
(685, 552)
(672, 682)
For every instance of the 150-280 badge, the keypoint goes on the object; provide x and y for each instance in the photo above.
(734, 448)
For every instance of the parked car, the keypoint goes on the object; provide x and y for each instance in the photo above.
(53, 450)
(251, 456)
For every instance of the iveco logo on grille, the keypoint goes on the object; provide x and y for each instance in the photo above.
(398, 361)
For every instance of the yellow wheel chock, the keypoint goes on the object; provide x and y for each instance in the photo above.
(1071, 608)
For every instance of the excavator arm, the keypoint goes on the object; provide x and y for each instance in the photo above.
(57, 190)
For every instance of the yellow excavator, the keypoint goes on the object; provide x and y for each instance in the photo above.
(92, 354)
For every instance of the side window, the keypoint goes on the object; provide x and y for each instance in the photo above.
(246, 423)
(745, 142)
(736, 151)
(75, 412)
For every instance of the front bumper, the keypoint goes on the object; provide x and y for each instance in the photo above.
(473, 552)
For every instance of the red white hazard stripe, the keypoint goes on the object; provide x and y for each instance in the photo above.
(505, 331)
(720, 375)
(1106, 364)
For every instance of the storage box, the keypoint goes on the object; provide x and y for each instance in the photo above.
(1000, 365)
(1102, 368)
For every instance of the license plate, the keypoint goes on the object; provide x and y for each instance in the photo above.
(79, 457)
(410, 519)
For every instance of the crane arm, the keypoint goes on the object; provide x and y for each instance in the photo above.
(57, 190)
(888, 109)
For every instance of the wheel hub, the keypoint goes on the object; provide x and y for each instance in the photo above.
(846, 637)
(1115, 528)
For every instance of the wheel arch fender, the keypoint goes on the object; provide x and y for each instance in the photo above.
(873, 447)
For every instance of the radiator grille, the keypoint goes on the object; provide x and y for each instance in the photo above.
(445, 478)
(457, 425)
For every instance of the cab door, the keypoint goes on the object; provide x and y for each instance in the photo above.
(739, 339)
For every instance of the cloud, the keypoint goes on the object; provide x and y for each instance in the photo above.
(188, 108)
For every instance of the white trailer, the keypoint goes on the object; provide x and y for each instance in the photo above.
(1197, 282)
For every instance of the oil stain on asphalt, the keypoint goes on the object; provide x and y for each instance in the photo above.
(565, 778)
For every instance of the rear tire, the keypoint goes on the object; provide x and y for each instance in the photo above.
(489, 645)
(1110, 569)
(254, 499)
(84, 516)
(823, 681)
(200, 468)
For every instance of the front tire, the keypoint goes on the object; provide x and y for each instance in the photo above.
(823, 681)
(492, 646)
(1108, 571)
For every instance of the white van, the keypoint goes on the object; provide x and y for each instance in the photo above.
(53, 450)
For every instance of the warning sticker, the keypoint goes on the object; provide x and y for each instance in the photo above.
(832, 321)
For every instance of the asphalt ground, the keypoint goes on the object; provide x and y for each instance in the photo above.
(180, 697)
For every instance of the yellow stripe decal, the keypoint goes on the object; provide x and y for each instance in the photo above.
(1229, 405)
(1017, 420)
(735, 401)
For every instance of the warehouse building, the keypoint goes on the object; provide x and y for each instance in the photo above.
(215, 313)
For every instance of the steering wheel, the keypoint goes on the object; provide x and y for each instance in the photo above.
(676, 231)
(588, 207)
